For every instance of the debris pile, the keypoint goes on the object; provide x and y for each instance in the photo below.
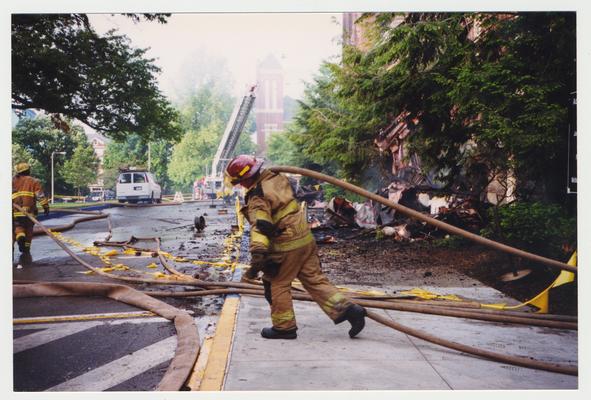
(460, 210)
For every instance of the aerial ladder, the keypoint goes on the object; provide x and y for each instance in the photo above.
(214, 180)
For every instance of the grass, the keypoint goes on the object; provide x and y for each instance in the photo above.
(57, 206)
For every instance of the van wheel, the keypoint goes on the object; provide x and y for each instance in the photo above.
(159, 200)
(121, 201)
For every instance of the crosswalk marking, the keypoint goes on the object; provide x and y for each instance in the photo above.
(52, 325)
(81, 317)
(118, 371)
(49, 335)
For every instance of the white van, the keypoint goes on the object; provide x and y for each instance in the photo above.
(137, 185)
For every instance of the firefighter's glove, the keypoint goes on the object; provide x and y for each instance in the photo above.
(46, 210)
(257, 263)
(272, 265)
(268, 229)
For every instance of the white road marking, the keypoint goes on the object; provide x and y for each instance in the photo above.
(118, 371)
(49, 335)
(82, 317)
(49, 325)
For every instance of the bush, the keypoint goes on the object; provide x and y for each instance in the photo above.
(331, 191)
(541, 228)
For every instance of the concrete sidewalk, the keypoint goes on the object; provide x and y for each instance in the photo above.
(324, 358)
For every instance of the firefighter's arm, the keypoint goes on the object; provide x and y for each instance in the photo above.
(40, 195)
(259, 215)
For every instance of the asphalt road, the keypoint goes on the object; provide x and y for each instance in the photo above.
(83, 353)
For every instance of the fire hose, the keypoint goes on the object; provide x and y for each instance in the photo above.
(243, 288)
(422, 217)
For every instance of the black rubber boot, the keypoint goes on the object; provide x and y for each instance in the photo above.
(355, 314)
(272, 333)
(25, 260)
(21, 244)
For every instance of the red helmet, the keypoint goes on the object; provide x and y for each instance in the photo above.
(243, 167)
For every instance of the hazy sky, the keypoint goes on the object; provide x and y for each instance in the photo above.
(300, 42)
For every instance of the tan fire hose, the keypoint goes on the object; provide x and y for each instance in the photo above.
(422, 217)
(241, 286)
(508, 359)
(399, 305)
(188, 342)
(65, 227)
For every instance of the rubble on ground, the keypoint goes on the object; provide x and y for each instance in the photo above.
(460, 210)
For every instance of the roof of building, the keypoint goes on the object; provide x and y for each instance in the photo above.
(270, 62)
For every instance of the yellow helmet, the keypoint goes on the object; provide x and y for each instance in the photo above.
(22, 167)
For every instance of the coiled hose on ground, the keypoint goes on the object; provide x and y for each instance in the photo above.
(243, 288)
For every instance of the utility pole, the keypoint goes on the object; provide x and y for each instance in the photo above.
(53, 153)
(149, 157)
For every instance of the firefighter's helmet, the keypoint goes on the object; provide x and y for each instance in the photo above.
(242, 167)
(22, 167)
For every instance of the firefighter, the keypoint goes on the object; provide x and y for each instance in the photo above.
(283, 248)
(26, 191)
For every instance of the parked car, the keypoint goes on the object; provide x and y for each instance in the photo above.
(109, 194)
(95, 196)
(137, 185)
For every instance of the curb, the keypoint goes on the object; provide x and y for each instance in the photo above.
(219, 355)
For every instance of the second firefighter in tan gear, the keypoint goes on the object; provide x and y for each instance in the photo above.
(282, 246)
(26, 192)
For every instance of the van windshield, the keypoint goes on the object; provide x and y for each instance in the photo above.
(139, 178)
(125, 178)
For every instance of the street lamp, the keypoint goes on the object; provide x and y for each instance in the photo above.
(52, 154)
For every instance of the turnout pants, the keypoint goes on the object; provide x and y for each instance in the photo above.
(22, 227)
(304, 264)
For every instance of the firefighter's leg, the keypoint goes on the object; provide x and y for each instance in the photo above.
(335, 304)
(20, 233)
(29, 225)
(332, 302)
(282, 313)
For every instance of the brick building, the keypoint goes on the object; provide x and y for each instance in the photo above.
(269, 101)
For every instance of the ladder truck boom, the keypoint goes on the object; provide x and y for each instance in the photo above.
(229, 140)
(232, 132)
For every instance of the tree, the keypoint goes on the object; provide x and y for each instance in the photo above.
(133, 152)
(80, 169)
(492, 102)
(204, 105)
(61, 65)
(20, 155)
(333, 131)
(283, 151)
(39, 138)
(192, 156)
(205, 113)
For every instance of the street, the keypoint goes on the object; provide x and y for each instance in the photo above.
(98, 344)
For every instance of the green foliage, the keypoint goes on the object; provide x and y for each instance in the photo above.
(192, 156)
(133, 152)
(205, 105)
(281, 150)
(80, 169)
(61, 65)
(538, 227)
(205, 114)
(489, 104)
(331, 191)
(331, 130)
(39, 138)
